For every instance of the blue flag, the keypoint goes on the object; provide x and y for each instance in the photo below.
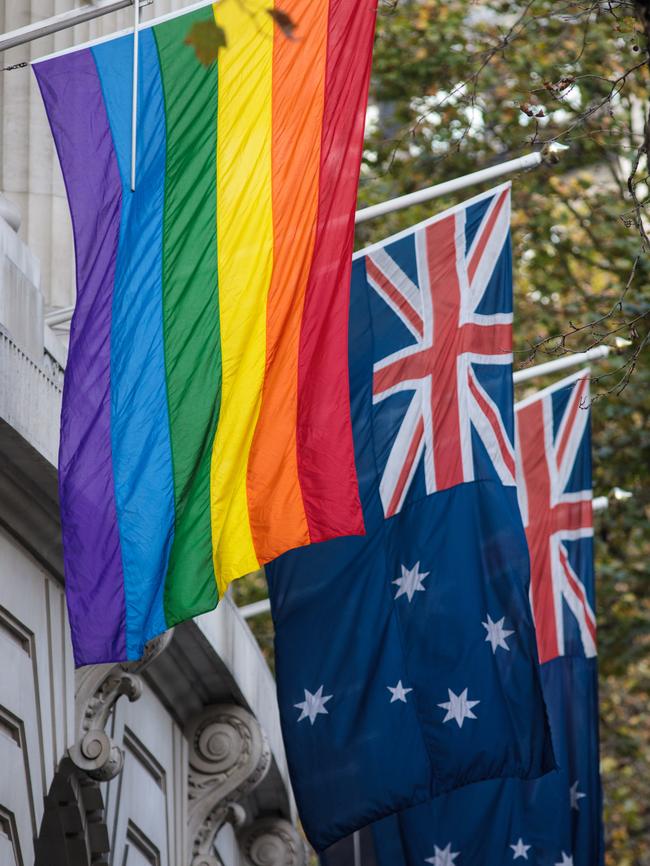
(556, 820)
(406, 661)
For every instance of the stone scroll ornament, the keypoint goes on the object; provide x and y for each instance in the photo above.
(97, 689)
(229, 757)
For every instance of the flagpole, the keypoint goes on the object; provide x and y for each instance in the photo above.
(134, 95)
(560, 364)
(512, 166)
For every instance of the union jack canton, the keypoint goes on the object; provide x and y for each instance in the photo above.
(443, 391)
(553, 464)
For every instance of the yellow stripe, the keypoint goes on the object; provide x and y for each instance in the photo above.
(245, 263)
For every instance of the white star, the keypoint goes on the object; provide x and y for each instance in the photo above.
(443, 856)
(576, 795)
(520, 850)
(398, 693)
(458, 707)
(313, 705)
(411, 581)
(496, 633)
(566, 860)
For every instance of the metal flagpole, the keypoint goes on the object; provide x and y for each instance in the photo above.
(62, 21)
(134, 96)
(530, 160)
(560, 364)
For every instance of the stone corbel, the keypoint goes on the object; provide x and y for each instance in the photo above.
(229, 756)
(272, 842)
(97, 688)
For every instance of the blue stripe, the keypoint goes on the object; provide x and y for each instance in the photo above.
(142, 463)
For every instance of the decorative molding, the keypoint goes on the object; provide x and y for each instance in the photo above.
(229, 756)
(136, 838)
(16, 631)
(13, 727)
(149, 763)
(272, 842)
(9, 829)
(97, 689)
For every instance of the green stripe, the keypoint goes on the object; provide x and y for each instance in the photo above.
(190, 310)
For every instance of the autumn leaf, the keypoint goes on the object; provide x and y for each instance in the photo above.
(206, 38)
(284, 21)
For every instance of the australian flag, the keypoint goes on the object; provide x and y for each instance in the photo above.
(406, 661)
(556, 820)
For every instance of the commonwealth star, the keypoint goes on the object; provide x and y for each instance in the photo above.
(458, 707)
(443, 856)
(496, 633)
(313, 705)
(410, 582)
(575, 795)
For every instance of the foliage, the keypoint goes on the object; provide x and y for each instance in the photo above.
(460, 85)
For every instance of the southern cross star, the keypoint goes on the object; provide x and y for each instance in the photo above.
(520, 850)
(566, 860)
(443, 856)
(575, 795)
(496, 633)
(313, 705)
(411, 581)
(398, 693)
(458, 707)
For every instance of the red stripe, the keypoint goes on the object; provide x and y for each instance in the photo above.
(530, 425)
(396, 297)
(445, 292)
(326, 465)
(487, 410)
(579, 592)
(576, 399)
(396, 498)
(485, 235)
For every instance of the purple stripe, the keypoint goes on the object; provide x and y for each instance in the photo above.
(93, 561)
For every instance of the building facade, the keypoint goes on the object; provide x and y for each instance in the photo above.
(176, 760)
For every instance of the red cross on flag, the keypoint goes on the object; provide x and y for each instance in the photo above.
(555, 497)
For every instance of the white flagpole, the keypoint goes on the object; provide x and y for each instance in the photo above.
(134, 95)
(530, 160)
(560, 364)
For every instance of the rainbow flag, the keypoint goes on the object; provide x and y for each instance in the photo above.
(206, 421)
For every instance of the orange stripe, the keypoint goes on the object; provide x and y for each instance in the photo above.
(276, 509)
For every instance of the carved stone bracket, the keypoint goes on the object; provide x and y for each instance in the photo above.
(97, 688)
(229, 757)
(272, 842)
